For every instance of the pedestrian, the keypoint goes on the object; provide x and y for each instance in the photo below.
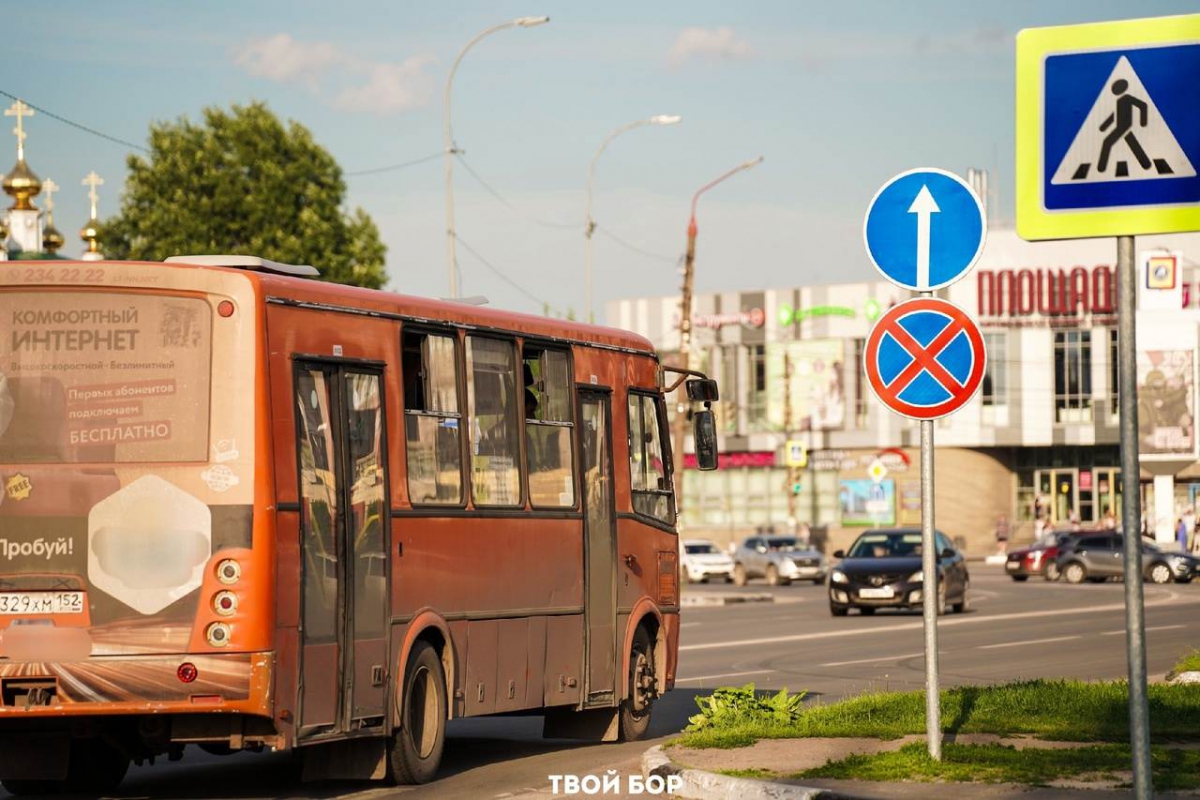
(1109, 521)
(1181, 535)
(1002, 534)
(1189, 521)
(1073, 519)
(804, 534)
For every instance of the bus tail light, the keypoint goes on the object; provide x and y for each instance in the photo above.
(225, 603)
(668, 578)
(217, 634)
(229, 571)
(187, 672)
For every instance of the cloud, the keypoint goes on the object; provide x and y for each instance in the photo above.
(339, 78)
(718, 44)
(282, 59)
(390, 88)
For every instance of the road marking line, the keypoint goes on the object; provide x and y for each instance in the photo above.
(689, 624)
(726, 675)
(869, 660)
(1028, 641)
(1155, 628)
(970, 620)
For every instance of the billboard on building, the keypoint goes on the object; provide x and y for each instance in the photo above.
(818, 396)
(865, 502)
(1166, 403)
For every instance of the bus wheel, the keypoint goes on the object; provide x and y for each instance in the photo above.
(96, 767)
(643, 688)
(415, 749)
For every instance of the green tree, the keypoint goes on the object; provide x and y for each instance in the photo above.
(243, 183)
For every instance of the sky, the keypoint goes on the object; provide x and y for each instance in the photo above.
(836, 98)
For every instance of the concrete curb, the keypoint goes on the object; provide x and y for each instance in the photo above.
(701, 785)
(1191, 677)
(724, 599)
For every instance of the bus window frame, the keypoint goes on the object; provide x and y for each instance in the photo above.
(572, 426)
(660, 412)
(522, 502)
(460, 392)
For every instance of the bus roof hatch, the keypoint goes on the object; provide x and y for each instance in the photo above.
(247, 262)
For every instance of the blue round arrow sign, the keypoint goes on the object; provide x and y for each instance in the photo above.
(924, 229)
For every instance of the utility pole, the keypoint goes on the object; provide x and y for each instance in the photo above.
(787, 435)
(685, 324)
(685, 344)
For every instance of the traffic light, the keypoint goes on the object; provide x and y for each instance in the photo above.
(796, 487)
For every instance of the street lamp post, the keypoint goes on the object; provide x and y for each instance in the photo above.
(590, 227)
(451, 150)
(685, 318)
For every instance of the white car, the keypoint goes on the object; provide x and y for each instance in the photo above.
(701, 560)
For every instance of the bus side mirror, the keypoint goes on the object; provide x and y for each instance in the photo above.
(702, 390)
(704, 429)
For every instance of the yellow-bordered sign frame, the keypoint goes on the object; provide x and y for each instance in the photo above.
(1034, 222)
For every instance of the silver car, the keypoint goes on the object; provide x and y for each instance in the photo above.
(778, 559)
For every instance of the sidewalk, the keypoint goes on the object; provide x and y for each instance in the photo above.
(784, 757)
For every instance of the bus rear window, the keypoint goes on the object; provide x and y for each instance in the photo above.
(104, 377)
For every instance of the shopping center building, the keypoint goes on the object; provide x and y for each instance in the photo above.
(1039, 439)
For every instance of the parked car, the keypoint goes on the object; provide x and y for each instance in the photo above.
(1100, 556)
(1037, 559)
(778, 559)
(883, 570)
(701, 560)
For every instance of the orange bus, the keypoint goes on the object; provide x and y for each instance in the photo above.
(246, 509)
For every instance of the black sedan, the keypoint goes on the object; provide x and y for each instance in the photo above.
(883, 570)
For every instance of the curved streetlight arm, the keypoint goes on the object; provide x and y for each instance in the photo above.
(745, 165)
(659, 119)
(520, 22)
(589, 223)
(448, 135)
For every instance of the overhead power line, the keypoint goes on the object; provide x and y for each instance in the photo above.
(394, 167)
(504, 202)
(500, 274)
(634, 248)
(76, 125)
(143, 149)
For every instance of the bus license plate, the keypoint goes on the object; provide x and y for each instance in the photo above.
(23, 603)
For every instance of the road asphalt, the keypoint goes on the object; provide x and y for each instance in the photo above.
(1013, 630)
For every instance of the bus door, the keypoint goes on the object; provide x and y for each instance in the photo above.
(599, 546)
(341, 442)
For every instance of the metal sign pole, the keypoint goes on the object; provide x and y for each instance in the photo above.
(888, 235)
(1131, 513)
(929, 596)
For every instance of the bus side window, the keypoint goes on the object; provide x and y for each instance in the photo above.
(548, 427)
(492, 407)
(432, 421)
(651, 486)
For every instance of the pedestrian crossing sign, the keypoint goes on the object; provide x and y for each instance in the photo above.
(1108, 129)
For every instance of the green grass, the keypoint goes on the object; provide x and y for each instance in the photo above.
(1189, 663)
(753, 772)
(1057, 710)
(992, 763)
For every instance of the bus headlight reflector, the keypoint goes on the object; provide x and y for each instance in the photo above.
(225, 603)
(229, 571)
(217, 634)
